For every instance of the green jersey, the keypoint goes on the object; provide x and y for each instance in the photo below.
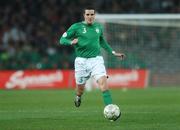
(90, 39)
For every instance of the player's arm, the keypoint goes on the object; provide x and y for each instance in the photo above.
(117, 54)
(107, 47)
(68, 37)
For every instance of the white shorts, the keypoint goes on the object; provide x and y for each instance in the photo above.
(89, 67)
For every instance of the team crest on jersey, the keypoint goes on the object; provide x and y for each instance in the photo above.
(97, 30)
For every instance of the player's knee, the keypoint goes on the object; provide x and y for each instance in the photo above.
(102, 82)
(81, 86)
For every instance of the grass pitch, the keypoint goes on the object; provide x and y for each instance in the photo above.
(147, 109)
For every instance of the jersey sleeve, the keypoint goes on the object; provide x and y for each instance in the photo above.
(104, 44)
(67, 36)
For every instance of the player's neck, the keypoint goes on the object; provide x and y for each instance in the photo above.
(87, 23)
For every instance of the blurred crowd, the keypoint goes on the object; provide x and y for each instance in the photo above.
(153, 47)
(30, 29)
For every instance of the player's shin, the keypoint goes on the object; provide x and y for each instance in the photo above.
(107, 97)
(80, 90)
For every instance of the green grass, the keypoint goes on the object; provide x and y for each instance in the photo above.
(148, 109)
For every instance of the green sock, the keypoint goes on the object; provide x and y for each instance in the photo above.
(107, 97)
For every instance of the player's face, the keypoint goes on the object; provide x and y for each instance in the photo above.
(89, 16)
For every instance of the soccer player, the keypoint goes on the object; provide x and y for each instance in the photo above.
(87, 39)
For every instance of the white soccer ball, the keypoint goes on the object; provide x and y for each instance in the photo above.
(112, 112)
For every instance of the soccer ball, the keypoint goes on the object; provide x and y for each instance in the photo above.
(112, 112)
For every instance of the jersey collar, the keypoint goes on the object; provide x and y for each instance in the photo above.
(84, 22)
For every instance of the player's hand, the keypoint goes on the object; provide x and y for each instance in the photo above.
(74, 41)
(120, 55)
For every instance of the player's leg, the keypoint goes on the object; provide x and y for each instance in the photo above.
(81, 76)
(99, 73)
(102, 83)
(79, 93)
(80, 89)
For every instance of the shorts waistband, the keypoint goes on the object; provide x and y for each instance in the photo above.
(88, 57)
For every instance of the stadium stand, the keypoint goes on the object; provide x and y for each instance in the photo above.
(30, 30)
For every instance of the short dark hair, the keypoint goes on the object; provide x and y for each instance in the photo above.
(89, 8)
